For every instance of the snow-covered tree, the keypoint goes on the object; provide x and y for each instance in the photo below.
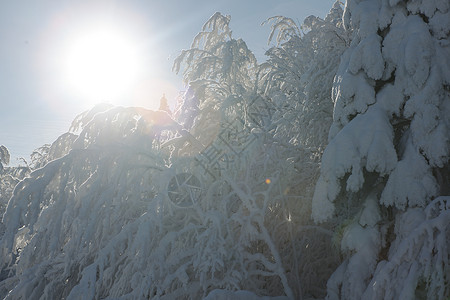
(387, 162)
(221, 73)
(297, 79)
(9, 177)
(60, 218)
(110, 218)
(223, 77)
(4, 157)
(5, 185)
(299, 75)
(216, 56)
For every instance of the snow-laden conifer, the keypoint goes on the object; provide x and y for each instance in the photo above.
(388, 154)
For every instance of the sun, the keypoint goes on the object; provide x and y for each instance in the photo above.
(102, 64)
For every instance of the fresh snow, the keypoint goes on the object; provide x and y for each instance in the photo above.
(322, 173)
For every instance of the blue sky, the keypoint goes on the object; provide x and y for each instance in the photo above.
(36, 106)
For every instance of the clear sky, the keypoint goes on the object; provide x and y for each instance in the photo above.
(36, 39)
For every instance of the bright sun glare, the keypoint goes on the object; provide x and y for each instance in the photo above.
(102, 64)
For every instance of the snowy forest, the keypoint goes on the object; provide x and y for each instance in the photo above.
(320, 173)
